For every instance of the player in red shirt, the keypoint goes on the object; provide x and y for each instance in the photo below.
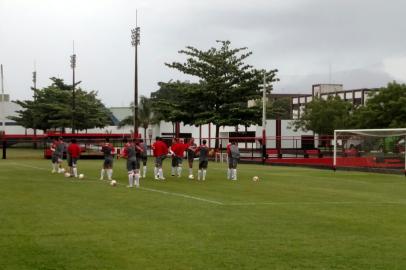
(74, 154)
(160, 150)
(178, 149)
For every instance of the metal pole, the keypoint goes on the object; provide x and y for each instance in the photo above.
(73, 66)
(135, 41)
(335, 150)
(404, 149)
(264, 120)
(2, 99)
(136, 92)
(34, 80)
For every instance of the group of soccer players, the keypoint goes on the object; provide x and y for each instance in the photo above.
(135, 152)
(59, 147)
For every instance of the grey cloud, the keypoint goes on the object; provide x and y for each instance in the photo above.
(299, 37)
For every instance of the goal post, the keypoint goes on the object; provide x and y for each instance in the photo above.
(370, 149)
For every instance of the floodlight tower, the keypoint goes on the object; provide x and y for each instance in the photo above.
(2, 101)
(135, 41)
(34, 81)
(73, 66)
(264, 99)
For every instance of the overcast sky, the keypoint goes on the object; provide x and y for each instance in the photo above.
(359, 43)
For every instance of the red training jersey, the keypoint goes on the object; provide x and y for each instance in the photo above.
(74, 150)
(179, 149)
(160, 148)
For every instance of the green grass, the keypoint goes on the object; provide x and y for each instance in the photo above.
(293, 218)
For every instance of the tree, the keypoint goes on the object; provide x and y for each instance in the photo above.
(145, 115)
(324, 116)
(51, 109)
(177, 101)
(226, 85)
(385, 109)
(279, 108)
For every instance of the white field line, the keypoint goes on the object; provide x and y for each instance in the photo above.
(316, 203)
(142, 188)
(182, 195)
(29, 166)
(229, 204)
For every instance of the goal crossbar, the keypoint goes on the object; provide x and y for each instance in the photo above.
(370, 132)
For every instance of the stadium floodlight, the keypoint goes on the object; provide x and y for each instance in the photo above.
(135, 41)
(2, 117)
(370, 149)
(73, 66)
(264, 86)
(34, 81)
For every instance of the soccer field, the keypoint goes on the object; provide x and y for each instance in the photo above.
(293, 218)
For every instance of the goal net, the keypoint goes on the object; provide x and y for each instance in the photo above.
(370, 149)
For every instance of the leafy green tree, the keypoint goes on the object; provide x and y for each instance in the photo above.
(90, 111)
(51, 109)
(385, 109)
(324, 116)
(145, 115)
(279, 108)
(226, 86)
(177, 101)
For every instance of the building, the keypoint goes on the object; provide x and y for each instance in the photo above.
(358, 97)
(8, 108)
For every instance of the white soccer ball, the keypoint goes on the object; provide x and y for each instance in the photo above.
(81, 176)
(191, 176)
(67, 174)
(113, 183)
(255, 178)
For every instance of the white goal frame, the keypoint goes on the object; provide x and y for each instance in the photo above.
(397, 131)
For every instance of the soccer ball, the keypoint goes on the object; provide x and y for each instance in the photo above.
(113, 183)
(81, 176)
(255, 178)
(191, 176)
(67, 174)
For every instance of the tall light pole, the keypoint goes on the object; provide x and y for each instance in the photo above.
(73, 66)
(264, 118)
(34, 81)
(2, 101)
(135, 41)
